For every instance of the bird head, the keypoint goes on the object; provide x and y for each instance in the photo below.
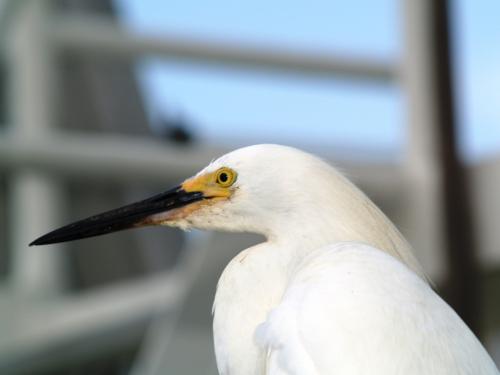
(280, 192)
(241, 191)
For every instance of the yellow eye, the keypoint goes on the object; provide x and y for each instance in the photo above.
(225, 177)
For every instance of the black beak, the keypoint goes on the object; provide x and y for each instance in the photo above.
(133, 215)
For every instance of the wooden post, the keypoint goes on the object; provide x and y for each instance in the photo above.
(462, 289)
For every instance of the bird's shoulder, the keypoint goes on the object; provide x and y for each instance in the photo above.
(352, 308)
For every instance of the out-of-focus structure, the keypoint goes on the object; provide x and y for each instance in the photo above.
(74, 133)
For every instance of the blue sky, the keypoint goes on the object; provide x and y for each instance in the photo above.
(477, 47)
(235, 107)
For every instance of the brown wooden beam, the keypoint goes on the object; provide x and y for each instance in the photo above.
(462, 289)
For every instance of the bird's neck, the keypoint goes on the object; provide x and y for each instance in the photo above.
(340, 213)
(255, 280)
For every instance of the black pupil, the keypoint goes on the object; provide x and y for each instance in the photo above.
(223, 177)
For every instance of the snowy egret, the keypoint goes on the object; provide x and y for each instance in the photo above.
(334, 289)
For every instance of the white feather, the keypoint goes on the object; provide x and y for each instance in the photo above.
(352, 309)
(335, 289)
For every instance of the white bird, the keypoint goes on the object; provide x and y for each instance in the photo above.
(334, 289)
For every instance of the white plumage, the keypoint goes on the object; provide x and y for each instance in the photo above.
(333, 289)
(352, 309)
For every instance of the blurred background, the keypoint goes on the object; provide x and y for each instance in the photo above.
(105, 102)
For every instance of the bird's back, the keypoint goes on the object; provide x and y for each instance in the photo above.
(352, 309)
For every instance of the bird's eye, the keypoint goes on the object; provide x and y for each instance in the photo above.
(225, 177)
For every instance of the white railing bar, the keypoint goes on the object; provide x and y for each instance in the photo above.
(99, 35)
(104, 157)
(33, 85)
(83, 324)
(124, 158)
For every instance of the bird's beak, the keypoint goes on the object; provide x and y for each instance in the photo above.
(151, 211)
